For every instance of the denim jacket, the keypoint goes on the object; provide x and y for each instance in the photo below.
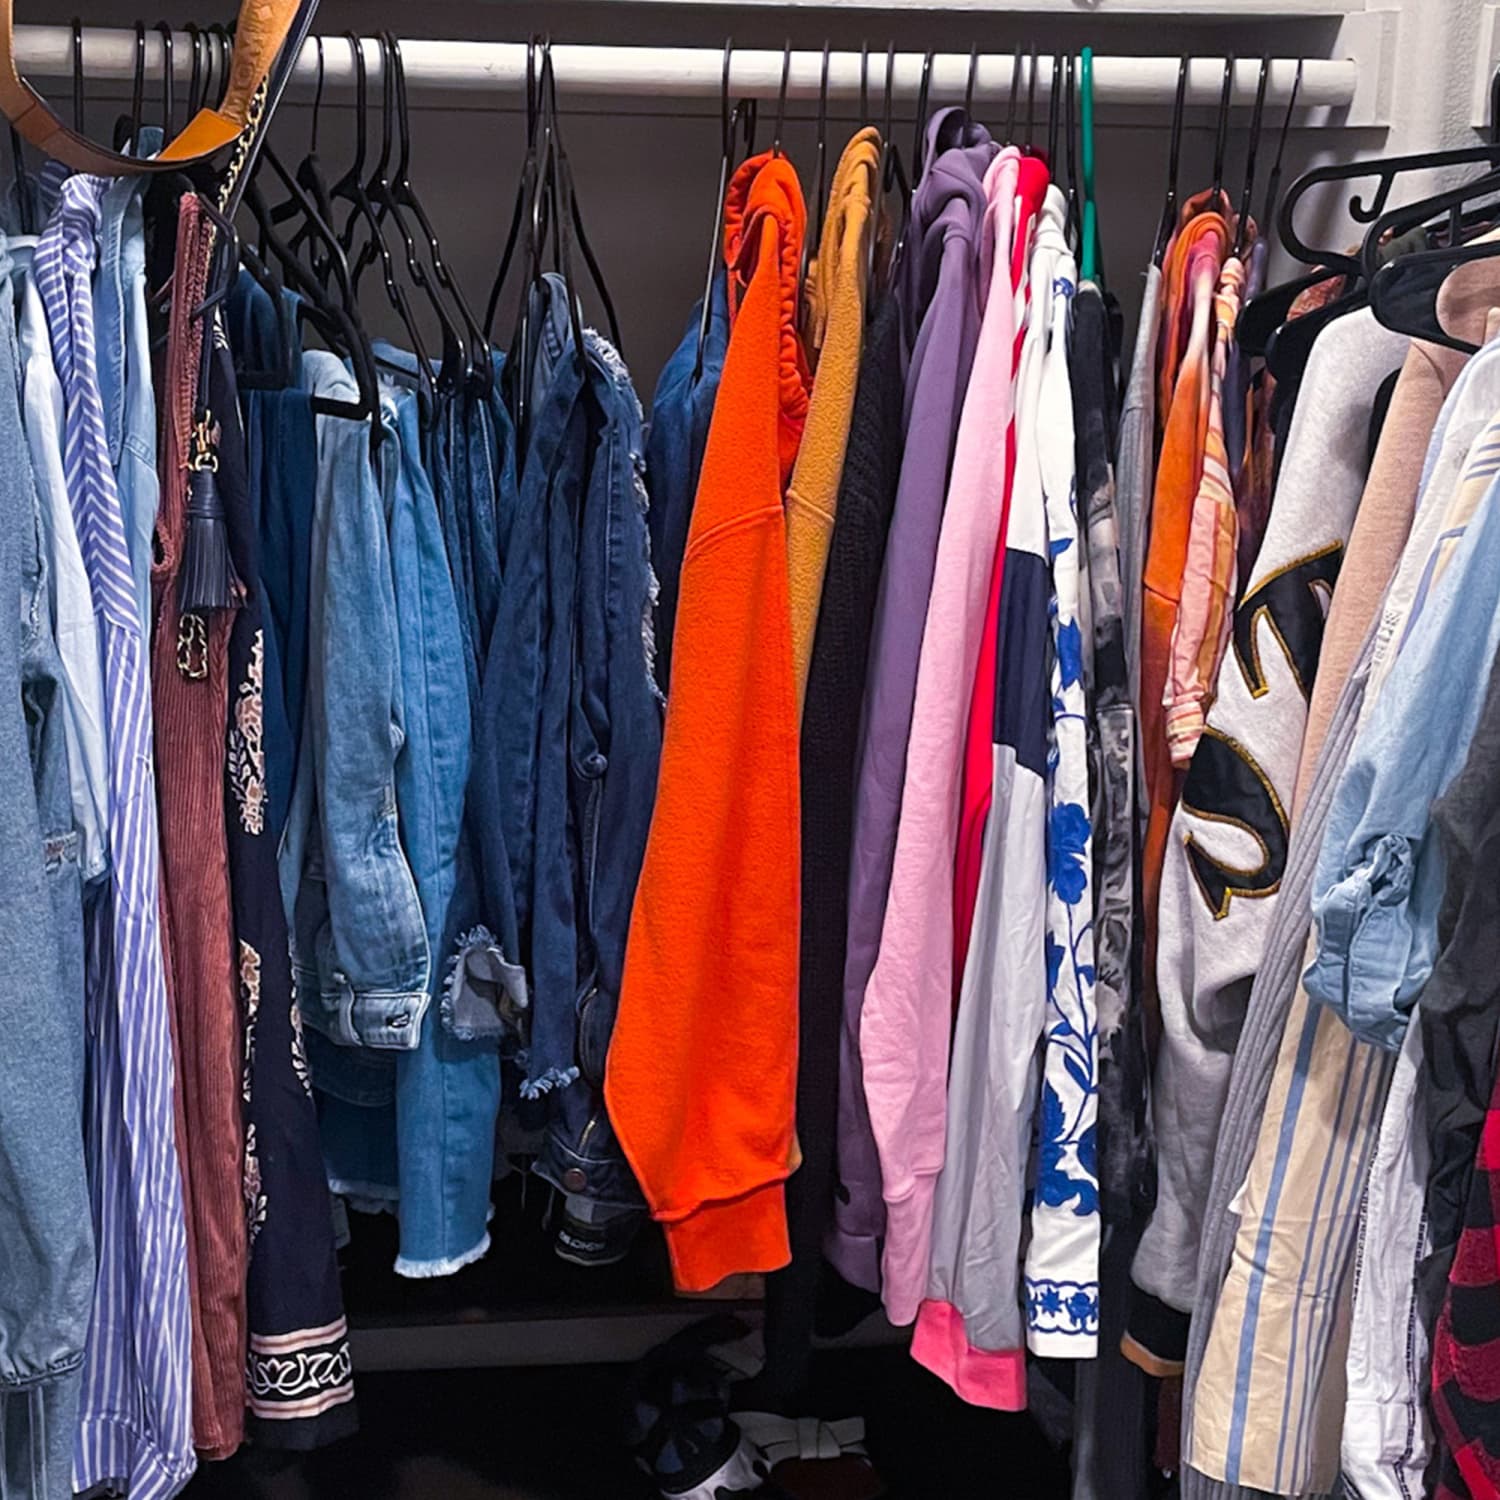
(595, 810)
(359, 944)
(1380, 875)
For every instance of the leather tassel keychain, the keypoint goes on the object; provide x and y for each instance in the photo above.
(207, 579)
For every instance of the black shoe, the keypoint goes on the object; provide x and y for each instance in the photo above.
(588, 1235)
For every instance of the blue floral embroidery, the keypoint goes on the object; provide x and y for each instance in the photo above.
(1068, 1307)
(1062, 1264)
(1070, 653)
(1068, 831)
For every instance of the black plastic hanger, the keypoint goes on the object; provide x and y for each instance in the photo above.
(128, 127)
(168, 82)
(569, 195)
(1013, 103)
(78, 75)
(1404, 292)
(195, 76)
(1217, 199)
(482, 367)
(716, 238)
(1167, 224)
(815, 228)
(919, 137)
(1385, 170)
(892, 177)
(350, 189)
(786, 73)
(1252, 150)
(969, 86)
(1054, 113)
(456, 367)
(337, 323)
(524, 187)
(1030, 147)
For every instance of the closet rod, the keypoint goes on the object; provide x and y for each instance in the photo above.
(696, 72)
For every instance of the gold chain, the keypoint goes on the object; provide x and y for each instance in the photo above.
(243, 144)
(202, 450)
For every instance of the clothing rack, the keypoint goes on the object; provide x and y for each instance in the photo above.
(696, 73)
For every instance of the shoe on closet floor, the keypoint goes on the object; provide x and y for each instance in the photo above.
(589, 1234)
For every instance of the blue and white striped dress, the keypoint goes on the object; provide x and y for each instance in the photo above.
(135, 1428)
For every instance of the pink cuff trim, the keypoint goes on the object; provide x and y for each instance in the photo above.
(992, 1378)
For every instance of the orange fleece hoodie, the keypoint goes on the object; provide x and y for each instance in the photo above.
(701, 1082)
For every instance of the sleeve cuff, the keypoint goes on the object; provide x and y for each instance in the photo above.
(1155, 1336)
(727, 1239)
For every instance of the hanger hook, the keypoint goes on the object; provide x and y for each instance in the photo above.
(361, 99)
(822, 108)
(1273, 181)
(1221, 139)
(138, 80)
(887, 103)
(973, 71)
(1168, 221)
(864, 80)
(78, 75)
(168, 79)
(195, 75)
(1054, 112)
(1030, 147)
(1012, 104)
(786, 73)
(726, 128)
(1252, 150)
(920, 135)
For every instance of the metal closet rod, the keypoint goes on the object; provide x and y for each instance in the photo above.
(697, 72)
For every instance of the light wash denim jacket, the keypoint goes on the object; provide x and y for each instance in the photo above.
(359, 942)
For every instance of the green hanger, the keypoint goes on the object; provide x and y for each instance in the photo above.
(1089, 239)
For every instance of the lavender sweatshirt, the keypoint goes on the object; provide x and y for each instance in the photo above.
(941, 307)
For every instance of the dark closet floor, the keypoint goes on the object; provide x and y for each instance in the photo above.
(549, 1434)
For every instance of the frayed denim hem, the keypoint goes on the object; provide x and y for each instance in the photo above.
(366, 1197)
(484, 995)
(553, 1078)
(418, 1270)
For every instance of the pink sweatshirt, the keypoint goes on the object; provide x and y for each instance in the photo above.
(908, 1011)
(979, 738)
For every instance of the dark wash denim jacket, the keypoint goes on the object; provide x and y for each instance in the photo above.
(566, 747)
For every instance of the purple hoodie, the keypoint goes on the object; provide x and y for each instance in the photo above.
(941, 308)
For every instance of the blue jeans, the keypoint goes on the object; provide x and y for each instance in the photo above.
(46, 1240)
(447, 1090)
(123, 341)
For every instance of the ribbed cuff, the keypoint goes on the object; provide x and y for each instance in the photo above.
(995, 1378)
(727, 1239)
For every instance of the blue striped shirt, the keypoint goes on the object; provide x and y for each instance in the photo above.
(135, 1423)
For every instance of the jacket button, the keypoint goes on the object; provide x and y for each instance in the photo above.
(575, 1179)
